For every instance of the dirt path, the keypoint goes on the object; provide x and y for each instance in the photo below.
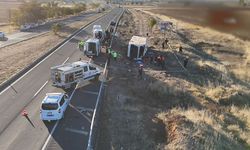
(202, 108)
(16, 57)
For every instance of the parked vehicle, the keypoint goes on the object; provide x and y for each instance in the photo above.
(92, 47)
(54, 106)
(67, 75)
(98, 33)
(112, 23)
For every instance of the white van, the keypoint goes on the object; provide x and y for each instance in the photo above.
(67, 75)
(53, 106)
(92, 47)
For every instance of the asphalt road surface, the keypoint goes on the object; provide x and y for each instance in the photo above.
(17, 133)
(21, 36)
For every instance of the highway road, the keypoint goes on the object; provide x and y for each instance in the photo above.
(42, 29)
(17, 133)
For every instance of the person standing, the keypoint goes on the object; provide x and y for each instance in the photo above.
(163, 45)
(159, 60)
(185, 62)
(166, 41)
(140, 70)
(109, 57)
(115, 55)
(162, 62)
(180, 49)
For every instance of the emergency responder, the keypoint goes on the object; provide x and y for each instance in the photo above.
(115, 55)
(162, 62)
(81, 45)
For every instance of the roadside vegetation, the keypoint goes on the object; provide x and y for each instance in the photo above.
(56, 28)
(33, 12)
(151, 23)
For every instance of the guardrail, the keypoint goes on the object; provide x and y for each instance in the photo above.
(15, 77)
(94, 122)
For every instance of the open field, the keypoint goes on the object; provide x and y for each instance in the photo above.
(205, 106)
(227, 19)
(5, 7)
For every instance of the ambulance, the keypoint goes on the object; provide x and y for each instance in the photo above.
(67, 75)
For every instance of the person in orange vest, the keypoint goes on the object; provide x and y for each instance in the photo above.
(159, 60)
(162, 60)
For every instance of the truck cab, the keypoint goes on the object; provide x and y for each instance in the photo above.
(92, 47)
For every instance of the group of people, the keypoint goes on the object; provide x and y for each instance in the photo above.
(159, 60)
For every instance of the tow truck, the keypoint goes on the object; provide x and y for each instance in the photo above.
(67, 75)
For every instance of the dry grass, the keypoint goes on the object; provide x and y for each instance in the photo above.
(242, 71)
(244, 115)
(197, 129)
(161, 89)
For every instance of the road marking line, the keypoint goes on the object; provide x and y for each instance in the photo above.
(86, 117)
(90, 92)
(54, 128)
(77, 131)
(84, 109)
(89, 146)
(65, 61)
(40, 89)
(47, 141)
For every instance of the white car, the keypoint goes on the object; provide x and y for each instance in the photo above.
(2, 36)
(97, 27)
(53, 106)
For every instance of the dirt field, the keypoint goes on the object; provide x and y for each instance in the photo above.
(204, 106)
(15, 57)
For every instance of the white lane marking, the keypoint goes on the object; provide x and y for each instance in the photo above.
(89, 92)
(54, 128)
(84, 109)
(50, 55)
(77, 131)
(65, 61)
(86, 117)
(97, 102)
(40, 89)
(47, 141)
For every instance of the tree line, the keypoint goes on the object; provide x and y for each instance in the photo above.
(33, 12)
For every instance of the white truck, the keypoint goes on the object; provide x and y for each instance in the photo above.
(67, 75)
(92, 47)
(98, 33)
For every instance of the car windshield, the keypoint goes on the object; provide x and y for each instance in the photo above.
(50, 106)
